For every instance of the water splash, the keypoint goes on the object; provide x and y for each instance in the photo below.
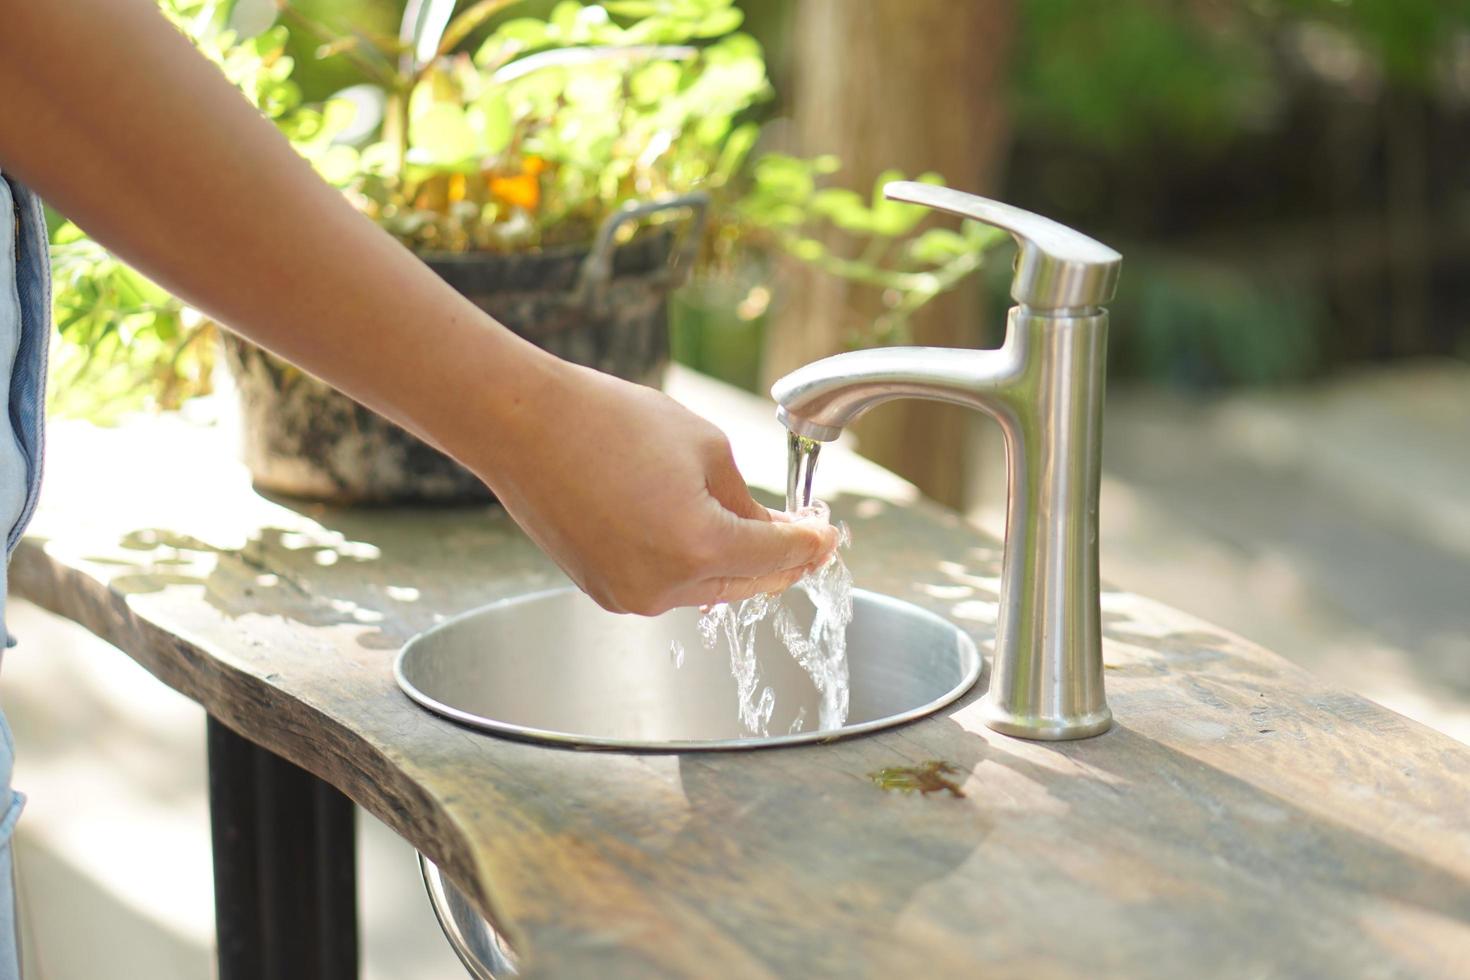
(820, 650)
(676, 654)
(737, 624)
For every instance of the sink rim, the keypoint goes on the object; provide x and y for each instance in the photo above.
(971, 663)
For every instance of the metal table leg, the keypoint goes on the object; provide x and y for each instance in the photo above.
(285, 871)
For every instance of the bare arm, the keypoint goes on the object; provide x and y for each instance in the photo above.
(112, 116)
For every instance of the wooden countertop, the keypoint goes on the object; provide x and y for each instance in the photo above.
(1243, 818)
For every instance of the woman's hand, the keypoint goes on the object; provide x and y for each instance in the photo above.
(639, 500)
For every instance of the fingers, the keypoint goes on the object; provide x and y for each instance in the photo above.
(730, 589)
(756, 548)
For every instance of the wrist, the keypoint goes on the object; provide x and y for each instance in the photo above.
(509, 400)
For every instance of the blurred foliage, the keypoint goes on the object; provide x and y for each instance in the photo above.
(1159, 123)
(718, 323)
(1409, 40)
(321, 73)
(513, 124)
(474, 130)
(1123, 74)
(550, 124)
(789, 201)
(1199, 325)
(1114, 74)
(123, 342)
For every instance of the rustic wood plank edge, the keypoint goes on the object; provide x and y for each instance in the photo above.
(239, 700)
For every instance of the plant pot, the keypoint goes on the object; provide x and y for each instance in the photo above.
(605, 307)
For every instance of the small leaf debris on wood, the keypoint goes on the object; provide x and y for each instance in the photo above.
(928, 777)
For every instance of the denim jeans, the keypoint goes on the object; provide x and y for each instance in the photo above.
(25, 326)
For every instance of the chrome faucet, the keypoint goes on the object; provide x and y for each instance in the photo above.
(1044, 386)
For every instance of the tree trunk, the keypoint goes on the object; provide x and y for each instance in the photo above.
(918, 85)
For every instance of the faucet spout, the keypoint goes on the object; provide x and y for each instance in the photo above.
(821, 399)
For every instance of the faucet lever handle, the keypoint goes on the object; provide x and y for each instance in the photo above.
(1057, 268)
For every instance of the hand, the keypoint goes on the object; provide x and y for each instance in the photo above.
(640, 502)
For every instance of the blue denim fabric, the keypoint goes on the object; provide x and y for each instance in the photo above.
(28, 371)
(25, 327)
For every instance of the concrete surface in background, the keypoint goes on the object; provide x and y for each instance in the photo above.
(1329, 523)
(113, 851)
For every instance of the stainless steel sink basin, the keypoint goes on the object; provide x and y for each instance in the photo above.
(555, 667)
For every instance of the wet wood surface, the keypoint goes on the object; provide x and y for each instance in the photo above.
(1243, 818)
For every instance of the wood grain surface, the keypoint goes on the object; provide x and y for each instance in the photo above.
(1243, 818)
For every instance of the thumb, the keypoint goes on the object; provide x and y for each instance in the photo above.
(727, 486)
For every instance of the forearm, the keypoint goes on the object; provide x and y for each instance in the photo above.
(143, 143)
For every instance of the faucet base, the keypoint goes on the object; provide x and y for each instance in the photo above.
(1043, 728)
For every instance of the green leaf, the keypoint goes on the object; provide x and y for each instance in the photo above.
(538, 94)
(712, 129)
(892, 217)
(844, 208)
(980, 235)
(67, 233)
(775, 214)
(470, 20)
(827, 163)
(517, 34)
(165, 326)
(378, 158)
(129, 289)
(337, 115)
(491, 117)
(563, 18)
(442, 135)
(939, 245)
(737, 147)
(736, 47)
(654, 82)
(337, 164)
(631, 8)
(784, 176)
(718, 23)
(592, 26)
(593, 92)
(808, 249)
(268, 43)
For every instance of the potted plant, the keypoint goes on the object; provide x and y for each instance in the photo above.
(558, 171)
